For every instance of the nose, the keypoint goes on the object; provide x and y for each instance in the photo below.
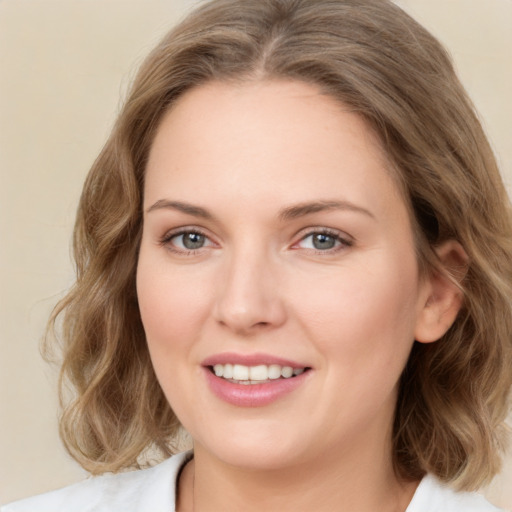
(249, 298)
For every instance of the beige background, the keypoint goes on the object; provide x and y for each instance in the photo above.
(63, 66)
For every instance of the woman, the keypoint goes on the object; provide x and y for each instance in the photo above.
(296, 244)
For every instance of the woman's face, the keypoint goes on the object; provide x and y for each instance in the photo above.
(275, 242)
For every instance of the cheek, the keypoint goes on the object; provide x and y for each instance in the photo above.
(172, 304)
(360, 316)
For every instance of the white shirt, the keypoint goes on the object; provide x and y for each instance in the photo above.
(154, 490)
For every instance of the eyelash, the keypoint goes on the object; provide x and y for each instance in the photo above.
(165, 241)
(342, 241)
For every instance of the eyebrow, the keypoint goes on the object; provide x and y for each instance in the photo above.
(187, 208)
(289, 213)
(302, 209)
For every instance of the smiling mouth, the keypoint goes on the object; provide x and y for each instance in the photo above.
(260, 374)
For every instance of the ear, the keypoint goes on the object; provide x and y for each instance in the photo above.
(442, 298)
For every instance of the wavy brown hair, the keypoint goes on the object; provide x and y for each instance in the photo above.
(370, 55)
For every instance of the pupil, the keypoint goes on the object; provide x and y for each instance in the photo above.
(193, 240)
(322, 241)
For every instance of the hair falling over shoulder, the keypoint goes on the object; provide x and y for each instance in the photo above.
(370, 55)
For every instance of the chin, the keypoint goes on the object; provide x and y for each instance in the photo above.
(264, 450)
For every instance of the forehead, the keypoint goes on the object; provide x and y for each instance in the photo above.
(281, 139)
(269, 106)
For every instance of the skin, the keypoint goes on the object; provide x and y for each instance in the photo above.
(245, 155)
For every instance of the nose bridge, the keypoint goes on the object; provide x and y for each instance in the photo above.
(249, 296)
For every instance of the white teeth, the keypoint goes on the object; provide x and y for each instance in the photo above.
(240, 372)
(228, 371)
(258, 372)
(254, 374)
(286, 372)
(274, 371)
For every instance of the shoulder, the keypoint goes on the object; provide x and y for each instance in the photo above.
(433, 496)
(147, 489)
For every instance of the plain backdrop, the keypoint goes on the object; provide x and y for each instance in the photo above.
(64, 65)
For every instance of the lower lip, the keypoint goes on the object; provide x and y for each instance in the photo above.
(253, 395)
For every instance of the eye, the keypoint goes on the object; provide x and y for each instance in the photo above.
(324, 241)
(189, 241)
(321, 241)
(186, 241)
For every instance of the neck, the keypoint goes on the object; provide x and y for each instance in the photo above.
(355, 480)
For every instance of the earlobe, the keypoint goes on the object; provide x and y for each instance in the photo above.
(443, 296)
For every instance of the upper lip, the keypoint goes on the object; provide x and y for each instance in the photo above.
(250, 360)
